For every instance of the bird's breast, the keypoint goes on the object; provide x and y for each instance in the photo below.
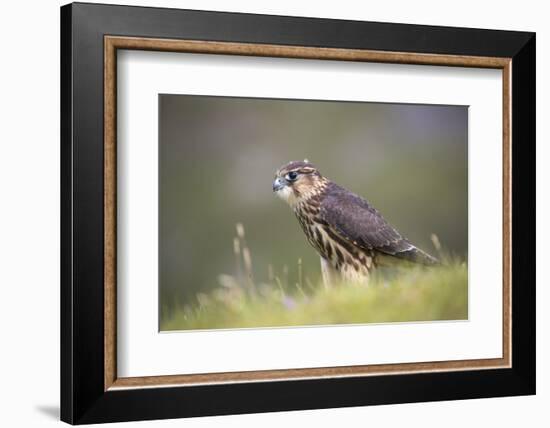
(340, 253)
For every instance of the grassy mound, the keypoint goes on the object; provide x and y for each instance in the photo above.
(405, 295)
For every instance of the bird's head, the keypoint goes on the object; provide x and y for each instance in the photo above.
(297, 181)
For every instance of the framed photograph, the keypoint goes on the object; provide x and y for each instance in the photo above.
(265, 213)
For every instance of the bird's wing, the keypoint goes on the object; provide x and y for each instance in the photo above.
(352, 217)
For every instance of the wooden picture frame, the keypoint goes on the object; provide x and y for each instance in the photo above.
(91, 390)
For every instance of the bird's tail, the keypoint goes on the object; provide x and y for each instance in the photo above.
(416, 255)
(420, 256)
(411, 255)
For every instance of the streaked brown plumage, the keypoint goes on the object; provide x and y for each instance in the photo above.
(350, 235)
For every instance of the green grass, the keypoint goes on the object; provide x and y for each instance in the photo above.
(414, 294)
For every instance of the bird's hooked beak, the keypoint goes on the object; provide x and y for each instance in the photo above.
(278, 184)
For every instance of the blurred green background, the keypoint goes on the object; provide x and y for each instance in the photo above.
(218, 156)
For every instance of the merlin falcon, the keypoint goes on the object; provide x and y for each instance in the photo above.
(350, 235)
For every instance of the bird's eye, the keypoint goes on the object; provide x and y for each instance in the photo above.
(292, 175)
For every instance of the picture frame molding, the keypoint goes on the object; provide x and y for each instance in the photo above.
(114, 43)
